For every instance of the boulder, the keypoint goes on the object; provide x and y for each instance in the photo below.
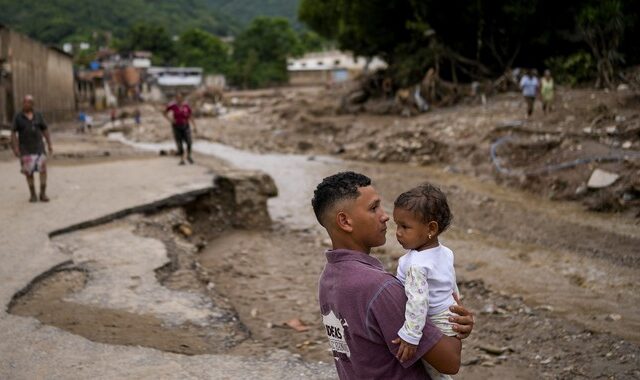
(601, 178)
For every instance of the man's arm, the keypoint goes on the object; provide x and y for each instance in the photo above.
(387, 317)
(14, 143)
(445, 355)
(450, 347)
(15, 146)
(45, 132)
(464, 321)
(166, 114)
(47, 138)
(442, 352)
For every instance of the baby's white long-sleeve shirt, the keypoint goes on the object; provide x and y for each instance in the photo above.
(430, 280)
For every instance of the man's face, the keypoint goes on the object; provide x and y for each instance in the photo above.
(27, 104)
(368, 218)
(179, 98)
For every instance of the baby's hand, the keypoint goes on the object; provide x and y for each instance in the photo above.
(406, 351)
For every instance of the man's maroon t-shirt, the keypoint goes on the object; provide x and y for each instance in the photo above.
(362, 309)
(181, 113)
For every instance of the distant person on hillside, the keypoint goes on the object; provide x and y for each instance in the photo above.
(529, 85)
(180, 122)
(27, 134)
(547, 90)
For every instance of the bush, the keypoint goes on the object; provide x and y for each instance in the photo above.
(573, 69)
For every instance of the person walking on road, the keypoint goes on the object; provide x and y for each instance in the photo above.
(180, 122)
(28, 131)
(529, 85)
(547, 90)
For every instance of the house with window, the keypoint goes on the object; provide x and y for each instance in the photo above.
(329, 67)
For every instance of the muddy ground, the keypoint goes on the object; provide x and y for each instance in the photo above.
(596, 128)
(554, 287)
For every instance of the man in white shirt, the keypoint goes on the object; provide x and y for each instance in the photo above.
(529, 85)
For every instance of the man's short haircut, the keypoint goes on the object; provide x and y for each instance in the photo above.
(336, 188)
(429, 203)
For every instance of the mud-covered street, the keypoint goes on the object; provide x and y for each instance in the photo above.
(146, 260)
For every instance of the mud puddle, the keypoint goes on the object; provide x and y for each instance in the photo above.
(46, 302)
(136, 281)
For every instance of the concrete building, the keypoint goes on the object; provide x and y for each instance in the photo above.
(329, 67)
(29, 67)
(166, 81)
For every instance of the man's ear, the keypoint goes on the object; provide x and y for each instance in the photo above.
(343, 222)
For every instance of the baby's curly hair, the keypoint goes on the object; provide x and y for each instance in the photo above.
(428, 202)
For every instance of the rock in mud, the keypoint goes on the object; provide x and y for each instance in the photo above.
(601, 178)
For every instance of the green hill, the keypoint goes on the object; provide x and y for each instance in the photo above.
(56, 21)
(246, 10)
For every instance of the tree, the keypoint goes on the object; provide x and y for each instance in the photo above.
(202, 49)
(151, 37)
(311, 41)
(475, 39)
(260, 52)
(602, 25)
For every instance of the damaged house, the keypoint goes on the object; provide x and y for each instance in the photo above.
(30, 67)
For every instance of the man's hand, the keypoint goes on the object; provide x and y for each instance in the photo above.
(16, 153)
(50, 151)
(169, 118)
(406, 351)
(463, 322)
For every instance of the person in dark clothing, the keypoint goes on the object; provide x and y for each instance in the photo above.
(28, 131)
(180, 121)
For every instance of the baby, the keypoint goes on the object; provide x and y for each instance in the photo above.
(426, 270)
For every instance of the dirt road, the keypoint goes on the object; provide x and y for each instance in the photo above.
(554, 286)
(83, 188)
(550, 263)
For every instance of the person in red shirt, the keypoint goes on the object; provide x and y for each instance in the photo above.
(181, 120)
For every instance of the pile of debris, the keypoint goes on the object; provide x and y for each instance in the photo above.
(208, 101)
(598, 165)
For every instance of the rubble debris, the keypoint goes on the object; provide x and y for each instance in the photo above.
(297, 325)
(185, 230)
(613, 317)
(600, 178)
(494, 350)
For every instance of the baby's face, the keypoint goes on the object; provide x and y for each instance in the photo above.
(411, 231)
